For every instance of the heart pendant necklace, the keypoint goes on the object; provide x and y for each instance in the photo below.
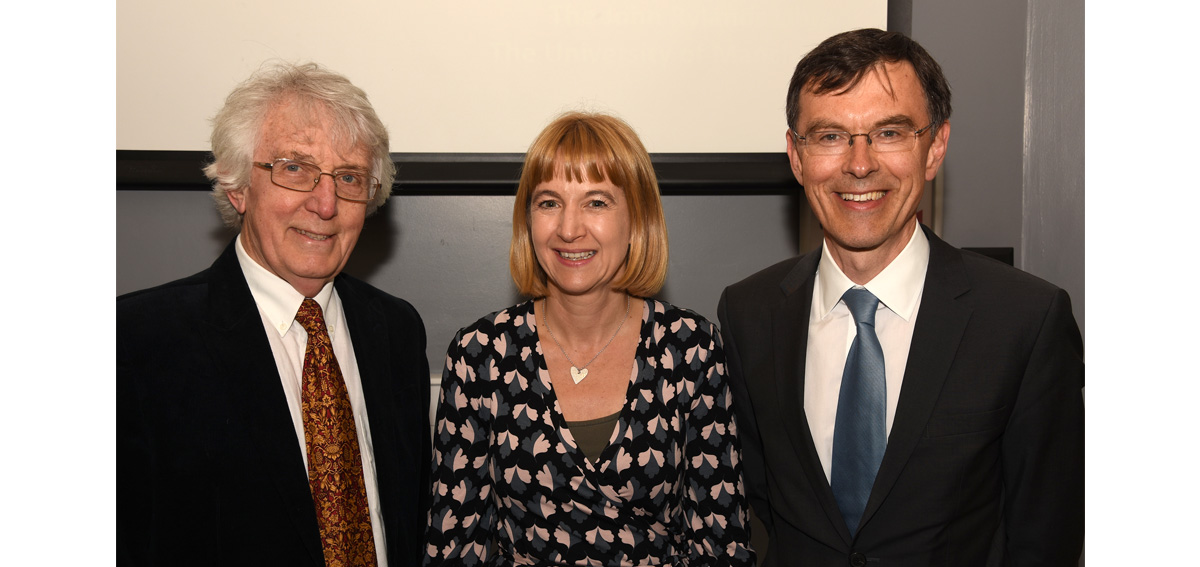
(578, 374)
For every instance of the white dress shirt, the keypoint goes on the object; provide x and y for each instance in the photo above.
(831, 331)
(278, 303)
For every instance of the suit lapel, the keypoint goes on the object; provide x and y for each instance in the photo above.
(379, 376)
(941, 321)
(790, 335)
(243, 358)
(365, 322)
(789, 331)
(368, 332)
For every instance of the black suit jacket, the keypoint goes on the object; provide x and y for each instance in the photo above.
(984, 463)
(209, 470)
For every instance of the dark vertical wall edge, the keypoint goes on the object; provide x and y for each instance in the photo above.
(899, 16)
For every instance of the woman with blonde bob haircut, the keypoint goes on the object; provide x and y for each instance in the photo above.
(594, 146)
(591, 424)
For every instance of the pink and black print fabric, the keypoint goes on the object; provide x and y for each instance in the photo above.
(667, 490)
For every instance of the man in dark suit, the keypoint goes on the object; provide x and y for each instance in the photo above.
(270, 409)
(900, 402)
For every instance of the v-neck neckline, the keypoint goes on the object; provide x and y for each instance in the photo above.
(560, 423)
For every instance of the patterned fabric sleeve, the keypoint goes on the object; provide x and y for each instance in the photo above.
(715, 514)
(462, 515)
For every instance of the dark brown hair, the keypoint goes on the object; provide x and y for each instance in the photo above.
(841, 61)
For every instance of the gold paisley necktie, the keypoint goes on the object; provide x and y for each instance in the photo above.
(335, 471)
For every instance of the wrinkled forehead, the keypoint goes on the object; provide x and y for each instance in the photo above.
(303, 129)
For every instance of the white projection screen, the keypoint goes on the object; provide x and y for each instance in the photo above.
(485, 76)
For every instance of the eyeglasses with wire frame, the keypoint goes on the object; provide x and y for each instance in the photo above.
(882, 140)
(349, 184)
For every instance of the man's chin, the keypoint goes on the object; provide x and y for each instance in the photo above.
(307, 280)
(856, 242)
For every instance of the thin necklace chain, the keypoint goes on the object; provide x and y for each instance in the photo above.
(564, 351)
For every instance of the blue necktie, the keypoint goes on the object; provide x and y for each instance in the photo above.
(860, 433)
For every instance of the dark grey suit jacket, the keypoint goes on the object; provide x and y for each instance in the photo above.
(984, 464)
(209, 471)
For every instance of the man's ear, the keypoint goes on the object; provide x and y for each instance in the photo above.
(937, 151)
(793, 152)
(237, 198)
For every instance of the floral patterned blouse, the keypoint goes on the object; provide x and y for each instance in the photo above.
(667, 490)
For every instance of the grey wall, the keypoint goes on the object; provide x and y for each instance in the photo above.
(1014, 171)
(981, 47)
(1053, 243)
(448, 255)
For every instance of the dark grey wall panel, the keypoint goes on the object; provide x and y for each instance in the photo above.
(448, 254)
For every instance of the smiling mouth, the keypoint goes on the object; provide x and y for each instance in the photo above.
(313, 235)
(862, 197)
(576, 256)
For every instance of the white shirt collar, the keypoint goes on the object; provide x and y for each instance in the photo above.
(276, 298)
(898, 286)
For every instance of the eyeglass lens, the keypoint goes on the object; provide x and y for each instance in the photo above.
(302, 176)
(889, 139)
